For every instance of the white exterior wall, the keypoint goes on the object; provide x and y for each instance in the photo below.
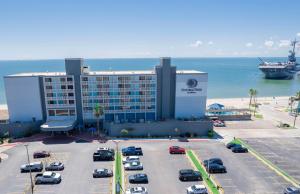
(23, 98)
(191, 94)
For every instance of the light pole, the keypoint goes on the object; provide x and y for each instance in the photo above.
(26, 146)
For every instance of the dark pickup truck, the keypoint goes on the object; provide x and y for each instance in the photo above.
(132, 151)
(104, 155)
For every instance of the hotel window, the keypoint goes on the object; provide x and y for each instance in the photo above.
(72, 112)
(49, 94)
(48, 80)
(62, 79)
(48, 87)
(85, 79)
(98, 78)
(62, 112)
(51, 102)
(69, 79)
(63, 87)
(71, 101)
(70, 87)
(70, 94)
(51, 112)
(85, 86)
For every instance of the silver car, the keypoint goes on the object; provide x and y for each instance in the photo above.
(54, 166)
(196, 189)
(128, 159)
(137, 190)
(133, 166)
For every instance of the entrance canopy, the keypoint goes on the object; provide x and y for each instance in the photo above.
(58, 125)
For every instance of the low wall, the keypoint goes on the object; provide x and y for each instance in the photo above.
(20, 129)
(161, 128)
(234, 117)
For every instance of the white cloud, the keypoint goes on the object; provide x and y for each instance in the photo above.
(196, 44)
(210, 43)
(249, 44)
(298, 34)
(269, 43)
(284, 43)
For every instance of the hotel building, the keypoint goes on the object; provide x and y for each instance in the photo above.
(65, 99)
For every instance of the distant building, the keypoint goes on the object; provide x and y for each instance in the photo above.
(64, 99)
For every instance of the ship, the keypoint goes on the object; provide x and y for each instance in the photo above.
(281, 70)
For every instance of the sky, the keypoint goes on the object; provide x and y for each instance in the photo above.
(54, 29)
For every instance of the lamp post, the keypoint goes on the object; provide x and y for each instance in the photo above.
(28, 160)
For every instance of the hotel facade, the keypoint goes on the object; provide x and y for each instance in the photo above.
(63, 100)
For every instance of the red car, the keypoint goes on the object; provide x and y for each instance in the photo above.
(41, 154)
(176, 150)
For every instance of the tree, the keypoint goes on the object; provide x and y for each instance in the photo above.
(297, 98)
(98, 112)
(253, 94)
(291, 102)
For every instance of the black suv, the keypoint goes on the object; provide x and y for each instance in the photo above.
(138, 178)
(215, 168)
(104, 154)
(231, 145)
(239, 149)
(189, 175)
(212, 161)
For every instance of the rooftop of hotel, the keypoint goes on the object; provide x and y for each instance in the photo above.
(146, 72)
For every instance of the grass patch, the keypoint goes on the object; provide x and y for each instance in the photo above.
(118, 169)
(203, 172)
(259, 116)
(267, 162)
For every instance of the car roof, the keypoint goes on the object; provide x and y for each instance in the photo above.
(186, 170)
(47, 173)
(132, 157)
(199, 186)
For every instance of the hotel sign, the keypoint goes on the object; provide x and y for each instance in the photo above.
(187, 85)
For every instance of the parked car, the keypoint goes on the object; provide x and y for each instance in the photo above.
(133, 166)
(212, 161)
(132, 151)
(292, 190)
(176, 150)
(105, 149)
(33, 167)
(103, 156)
(189, 175)
(239, 149)
(41, 154)
(138, 178)
(218, 123)
(231, 144)
(215, 168)
(196, 189)
(55, 166)
(130, 159)
(102, 172)
(137, 190)
(48, 177)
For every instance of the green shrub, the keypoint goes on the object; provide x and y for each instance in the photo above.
(210, 133)
(124, 132)
(9, 140)
(1, 141)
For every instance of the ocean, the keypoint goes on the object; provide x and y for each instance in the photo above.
(228, 77)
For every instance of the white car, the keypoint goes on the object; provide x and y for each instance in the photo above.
(137, 190)
(48, 177)
(133, 166)
(33, 167)
(196, 189)
(128, 159)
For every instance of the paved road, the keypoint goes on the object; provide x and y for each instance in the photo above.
(245, 173)
(284, 152)
(76, 178)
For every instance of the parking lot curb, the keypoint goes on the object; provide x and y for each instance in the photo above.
(208, 181)
(268, 163)
(119, 173)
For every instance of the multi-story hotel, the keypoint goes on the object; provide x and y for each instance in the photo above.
(64, 99)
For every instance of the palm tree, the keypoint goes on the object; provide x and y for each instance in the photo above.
(291, 102)
(98, 112)
(251, 92)
(255, 99)
(297, 98)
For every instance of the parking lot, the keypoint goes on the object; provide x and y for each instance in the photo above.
(283, 152)
(162, 169)
(76, 178)
(245, 174)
